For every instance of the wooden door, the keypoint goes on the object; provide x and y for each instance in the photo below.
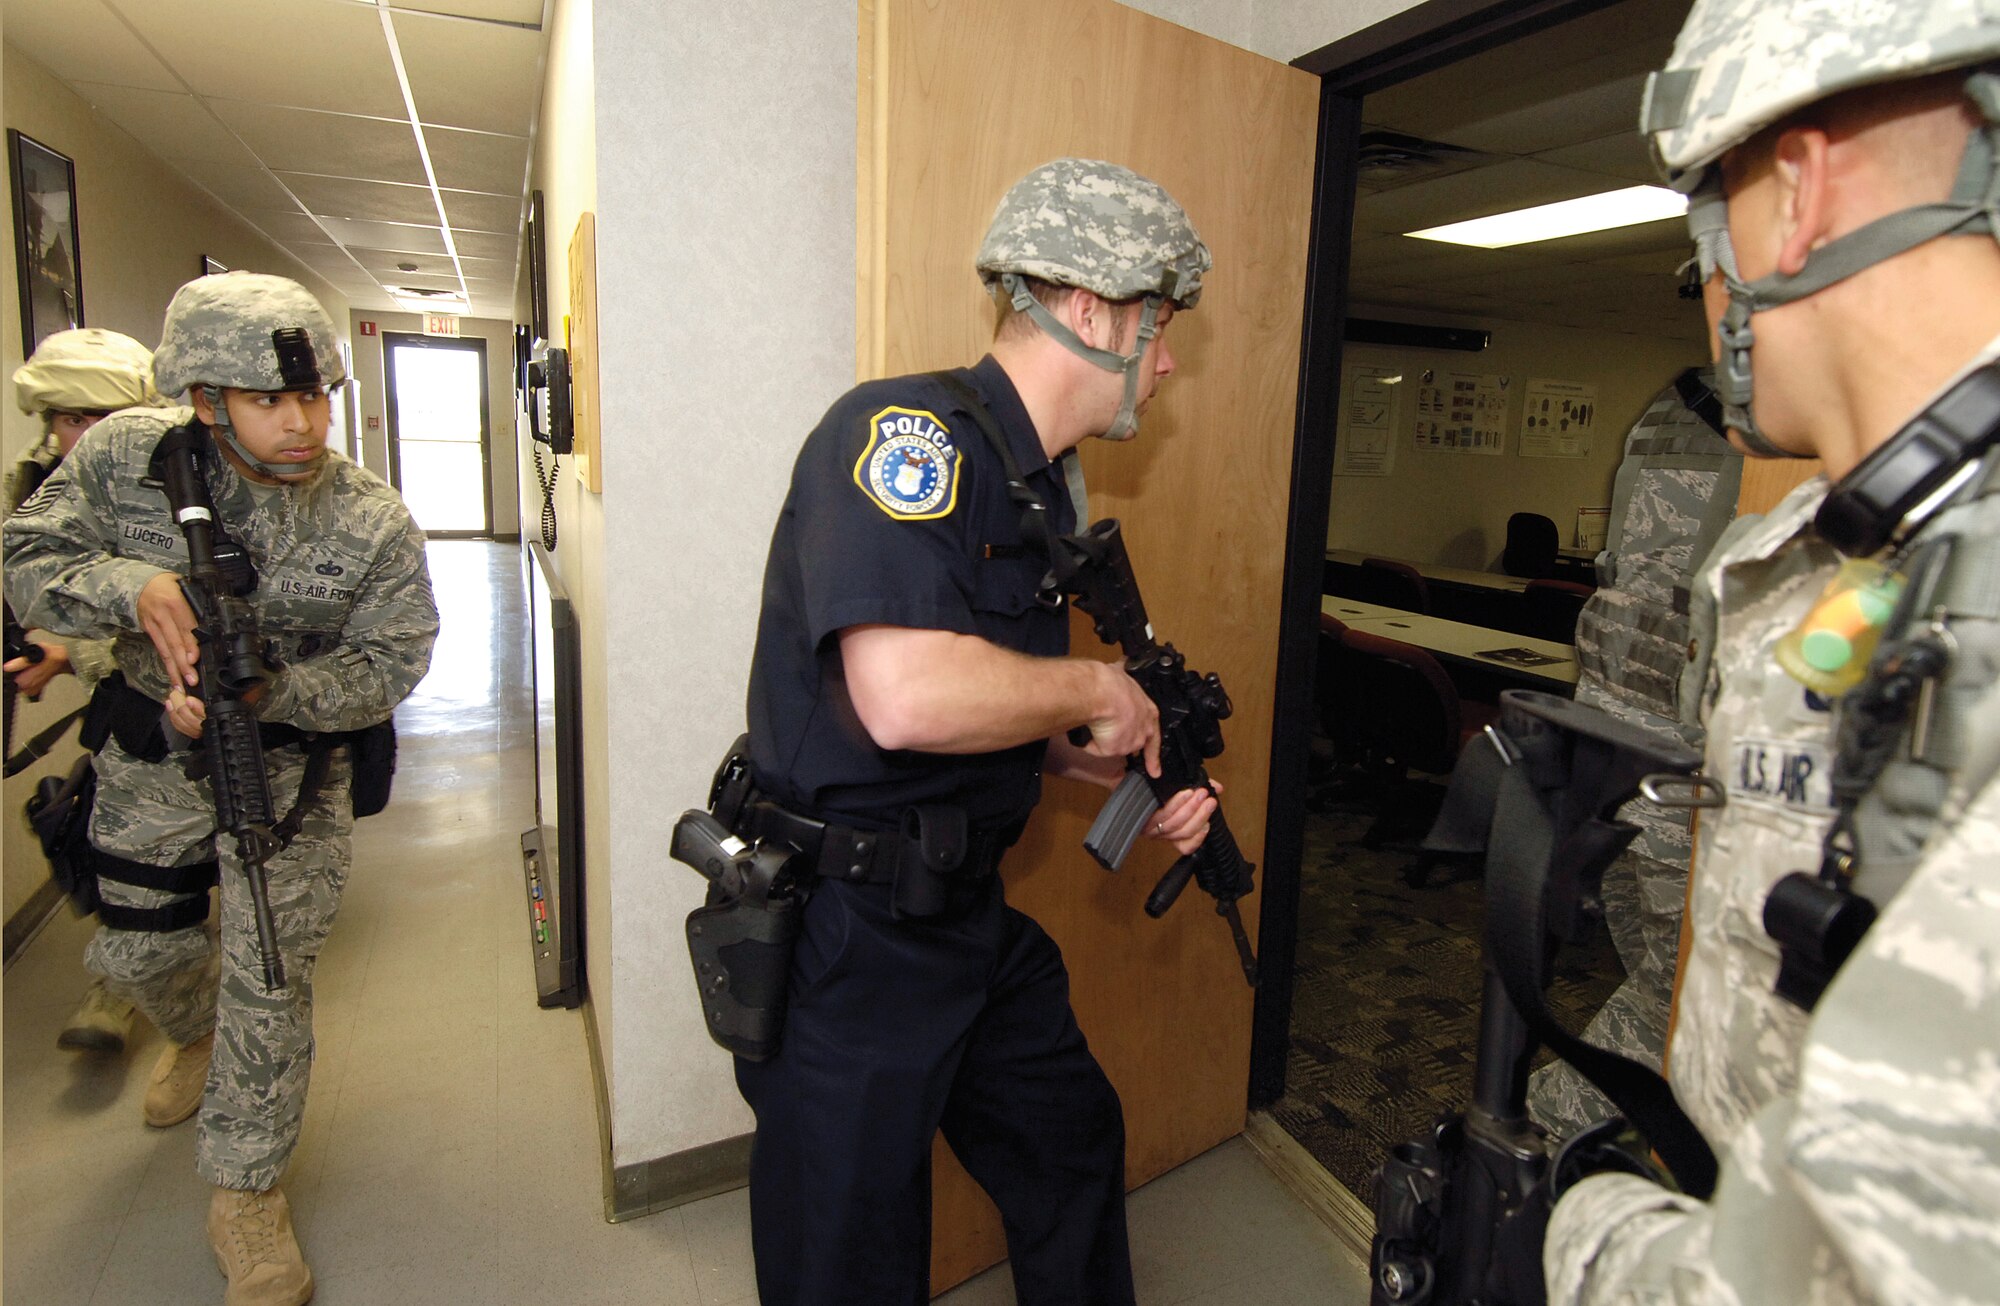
(959, 99)
(1767, 480)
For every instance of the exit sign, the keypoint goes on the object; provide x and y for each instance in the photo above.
(440, 324)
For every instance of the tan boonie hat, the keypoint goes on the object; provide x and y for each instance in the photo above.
(87, 369)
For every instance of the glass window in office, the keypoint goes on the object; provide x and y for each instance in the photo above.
(437, 432)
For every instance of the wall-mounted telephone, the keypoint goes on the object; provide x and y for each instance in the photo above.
(549, 399)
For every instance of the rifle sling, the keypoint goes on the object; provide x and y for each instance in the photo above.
(1033, 508)
(37, 748)
(1520, 876)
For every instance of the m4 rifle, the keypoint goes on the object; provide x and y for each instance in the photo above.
(234, 664)
(1093, 567)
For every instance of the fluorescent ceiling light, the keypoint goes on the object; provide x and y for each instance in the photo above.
(1616, 208)
(445, 303)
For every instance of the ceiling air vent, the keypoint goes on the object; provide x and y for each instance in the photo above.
(1391, 159)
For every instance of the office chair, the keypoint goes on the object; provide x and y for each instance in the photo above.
(1392, 584)
(1549, 609)
(1402, 713)
(1532, 545)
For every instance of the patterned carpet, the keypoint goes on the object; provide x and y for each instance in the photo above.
(1385, 999)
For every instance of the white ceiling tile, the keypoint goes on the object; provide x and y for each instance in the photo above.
(387, 235)
(471, 74)
(419, 280)
(469, 211)
(527, 12)
(331, 144)
(481, 161)
(1586, 114)
(172, 124)
(306, 54)
(239, 187)
(1514, 184)
(81, 40)
(287, 228)
(485, 244)
(1622, 155)
(487, 269)
(1623, 40)
(389, 263)
(376, 201)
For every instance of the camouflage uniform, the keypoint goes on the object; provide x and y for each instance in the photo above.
(1676, 488)
(89, 659)
(345, 600)
(1810, 1166)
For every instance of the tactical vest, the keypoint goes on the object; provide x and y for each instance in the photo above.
(1675, 492)
(1951, 747)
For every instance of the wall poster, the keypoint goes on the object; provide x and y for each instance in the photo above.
(45, 239)
(1558, 419)
(1370, 404)
(1462, 412)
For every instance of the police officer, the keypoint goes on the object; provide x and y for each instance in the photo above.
(345, 601)
(74, 380)
(1841, 162)
(1674, 494)
(909, 691)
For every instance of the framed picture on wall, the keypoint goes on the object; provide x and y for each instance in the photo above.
(209, 267)
(45, 242)
(538, 268)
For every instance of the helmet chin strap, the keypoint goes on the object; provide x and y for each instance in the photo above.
(227, 430)
(1125, 424)
(1972, 207)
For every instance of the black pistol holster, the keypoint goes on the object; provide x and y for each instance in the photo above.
(761, 861)
(741, 940)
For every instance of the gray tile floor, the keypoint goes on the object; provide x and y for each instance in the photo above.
(450, 1152)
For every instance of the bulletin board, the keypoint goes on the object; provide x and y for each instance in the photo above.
(582, 329)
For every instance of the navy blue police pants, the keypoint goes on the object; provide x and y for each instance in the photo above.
(897, 1029)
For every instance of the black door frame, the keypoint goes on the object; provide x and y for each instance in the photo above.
(394, 340)
(1427, 36)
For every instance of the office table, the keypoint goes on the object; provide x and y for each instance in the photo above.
(1354, 612)
(1455, 641)
(1491, 580)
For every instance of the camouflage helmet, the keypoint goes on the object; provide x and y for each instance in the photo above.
(247, 331)
(86, 370)
(1741, 65)
(1098, 226)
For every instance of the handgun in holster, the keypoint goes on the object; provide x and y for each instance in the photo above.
(741, 940)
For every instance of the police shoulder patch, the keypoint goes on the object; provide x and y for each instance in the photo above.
(909, 466)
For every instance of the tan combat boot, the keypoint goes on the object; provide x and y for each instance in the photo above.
(100, 1024)
(255, 1248)
(173, 1093)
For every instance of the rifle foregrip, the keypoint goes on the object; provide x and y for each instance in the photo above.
(236, 753)
(1219, 865)
(1121, 820)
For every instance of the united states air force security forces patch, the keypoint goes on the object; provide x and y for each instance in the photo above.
(909, 467)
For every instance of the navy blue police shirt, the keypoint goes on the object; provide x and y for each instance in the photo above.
(899, 515)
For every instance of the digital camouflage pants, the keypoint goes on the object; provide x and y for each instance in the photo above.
(1643, 902)
(256, 1094)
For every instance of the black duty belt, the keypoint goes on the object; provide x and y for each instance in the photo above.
(858, 856)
